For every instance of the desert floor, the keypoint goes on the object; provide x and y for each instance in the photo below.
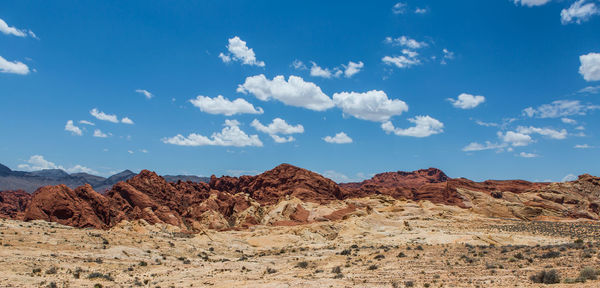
(395, 245)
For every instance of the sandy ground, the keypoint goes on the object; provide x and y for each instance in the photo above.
(395, 245)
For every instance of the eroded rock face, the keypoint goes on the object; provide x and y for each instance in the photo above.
(285, 195)
(82, 207)
(13, 203)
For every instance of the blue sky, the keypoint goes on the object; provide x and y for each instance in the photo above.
(480, 89)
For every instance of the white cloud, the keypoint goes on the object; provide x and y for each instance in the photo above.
(568, 121)
(299, 65)
(103, 116)
(569, 177)
(8, 30)
(467, 101)
(126, 120)
(528, 155)
(339, 138)
(317, 71)
(531, 3)
(231, 135)
(486, 124)
(86, 122)
(420, 10)
(399, 8)
(590, 66)
(72, 128)
(294, 92)
(373, 105)
(578, 12)
(515, 139)
(424, 126)
(98, 133)
(401, 61)
(14, 67)
(223, 106)
(448, 55)
(145, 93)
(474, 146)
(277, 126)
(554, 134)
(559, 108)
(352, 68)
(337, 177)
(281, 139)
(405, 41)
(590, 90)
(37, 162)
(583, 146)
(240, 52)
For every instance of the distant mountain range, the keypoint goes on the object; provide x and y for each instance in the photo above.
(31, 181)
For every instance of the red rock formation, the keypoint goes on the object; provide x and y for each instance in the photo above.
(13, 204)
(237, 202)
(82, 207)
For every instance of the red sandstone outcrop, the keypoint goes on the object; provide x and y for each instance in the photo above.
(280, 197)
(13, 204)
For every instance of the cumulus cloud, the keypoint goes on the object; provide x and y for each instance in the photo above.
(372, 105)
(348, 70)
(554, 134)
(405, 41)
(568, 121)
(231, 135)
(8, 30)
(37, 162)
(578, 12)
(339, 138)
(528, 155)
(238, 51)
(85, 122)
(531, 3)
(126, 120)
(424, 126)
(282, 139)
(98, 133)
(72, 128)
(474, 146)
(13, 67)
(399, 8)
(569, 177)
(318, 71)
(294, 92)
(590, 66)
(109, 117)
(277, 126)
(146, 93)
(420, 10)
(559, 108)
(223, 106)
(515, 139)
(103, 116)
(352, 68)
(299, 65)
(402, 61)
(467, 101)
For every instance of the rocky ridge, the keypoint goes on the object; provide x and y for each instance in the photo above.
(288, 195)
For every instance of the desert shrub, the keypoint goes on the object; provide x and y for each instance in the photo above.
(271, 270)
(336, 270)
(345, 252)
(98, 275)
(409, 283)
(379, 256)
(302, 264)
(143, 263)
(588, 273)
(401, 255)
(546, 277)
(36, 270)
(550, 254)
(372, 267)
(52, 270)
